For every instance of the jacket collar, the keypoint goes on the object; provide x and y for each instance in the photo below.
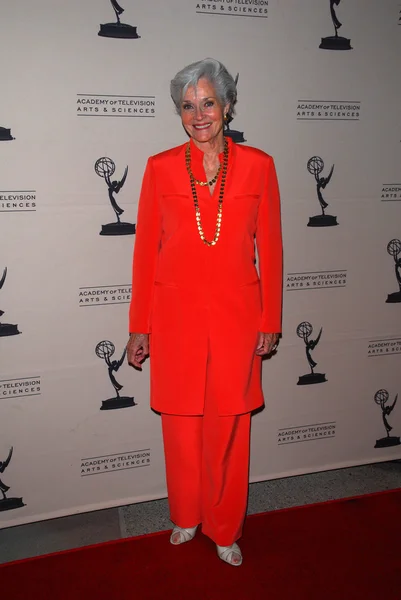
(197, 155)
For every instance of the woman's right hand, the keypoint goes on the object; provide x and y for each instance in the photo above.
(137, 349)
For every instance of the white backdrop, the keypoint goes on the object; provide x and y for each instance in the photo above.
(66, 288)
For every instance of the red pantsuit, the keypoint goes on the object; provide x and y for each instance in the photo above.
(204, 308)
(207, 466)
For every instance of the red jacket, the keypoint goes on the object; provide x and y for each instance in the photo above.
(205, 303)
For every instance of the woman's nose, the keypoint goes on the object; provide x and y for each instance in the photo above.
(198, 112)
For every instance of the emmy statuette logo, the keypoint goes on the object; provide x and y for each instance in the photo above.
(315, 167)
(304, 331)
(105, 351)
(8, 503)
(105, 167)
(236, 136)
(335, 42)
(5, 135)
(6, 328)
(381, 398)
(118, 29)
(394, 249)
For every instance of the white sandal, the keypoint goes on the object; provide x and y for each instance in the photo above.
(186, 535)
(229, 553)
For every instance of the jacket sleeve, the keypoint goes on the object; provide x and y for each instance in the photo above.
(270, 252)
(146, 251)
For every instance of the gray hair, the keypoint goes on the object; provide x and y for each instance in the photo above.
(212, 70)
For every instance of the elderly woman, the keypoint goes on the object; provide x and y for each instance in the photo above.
(200, 308)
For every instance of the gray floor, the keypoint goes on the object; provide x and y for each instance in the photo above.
(81, 530)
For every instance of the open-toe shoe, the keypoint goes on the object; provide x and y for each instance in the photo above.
(230, 554)
(181, 535)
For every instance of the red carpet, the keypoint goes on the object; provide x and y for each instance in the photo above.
(342, 550)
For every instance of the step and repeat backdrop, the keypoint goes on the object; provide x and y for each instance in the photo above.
(84, 102)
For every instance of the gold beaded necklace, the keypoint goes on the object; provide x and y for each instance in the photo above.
(203, 183)
(221, 194)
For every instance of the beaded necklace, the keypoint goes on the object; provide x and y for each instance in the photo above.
(195, 196)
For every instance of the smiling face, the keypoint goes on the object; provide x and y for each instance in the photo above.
(202, 114)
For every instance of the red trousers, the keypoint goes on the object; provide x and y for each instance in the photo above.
(207, 471)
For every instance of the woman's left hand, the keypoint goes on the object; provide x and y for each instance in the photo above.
(267, 343)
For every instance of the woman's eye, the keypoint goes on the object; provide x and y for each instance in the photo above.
(187, 106)
(209, 104)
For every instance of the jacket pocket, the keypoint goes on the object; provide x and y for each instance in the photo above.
(166, 284)
(245, 196)
(253, 282)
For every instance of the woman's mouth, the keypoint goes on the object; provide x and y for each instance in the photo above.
(200, 127)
